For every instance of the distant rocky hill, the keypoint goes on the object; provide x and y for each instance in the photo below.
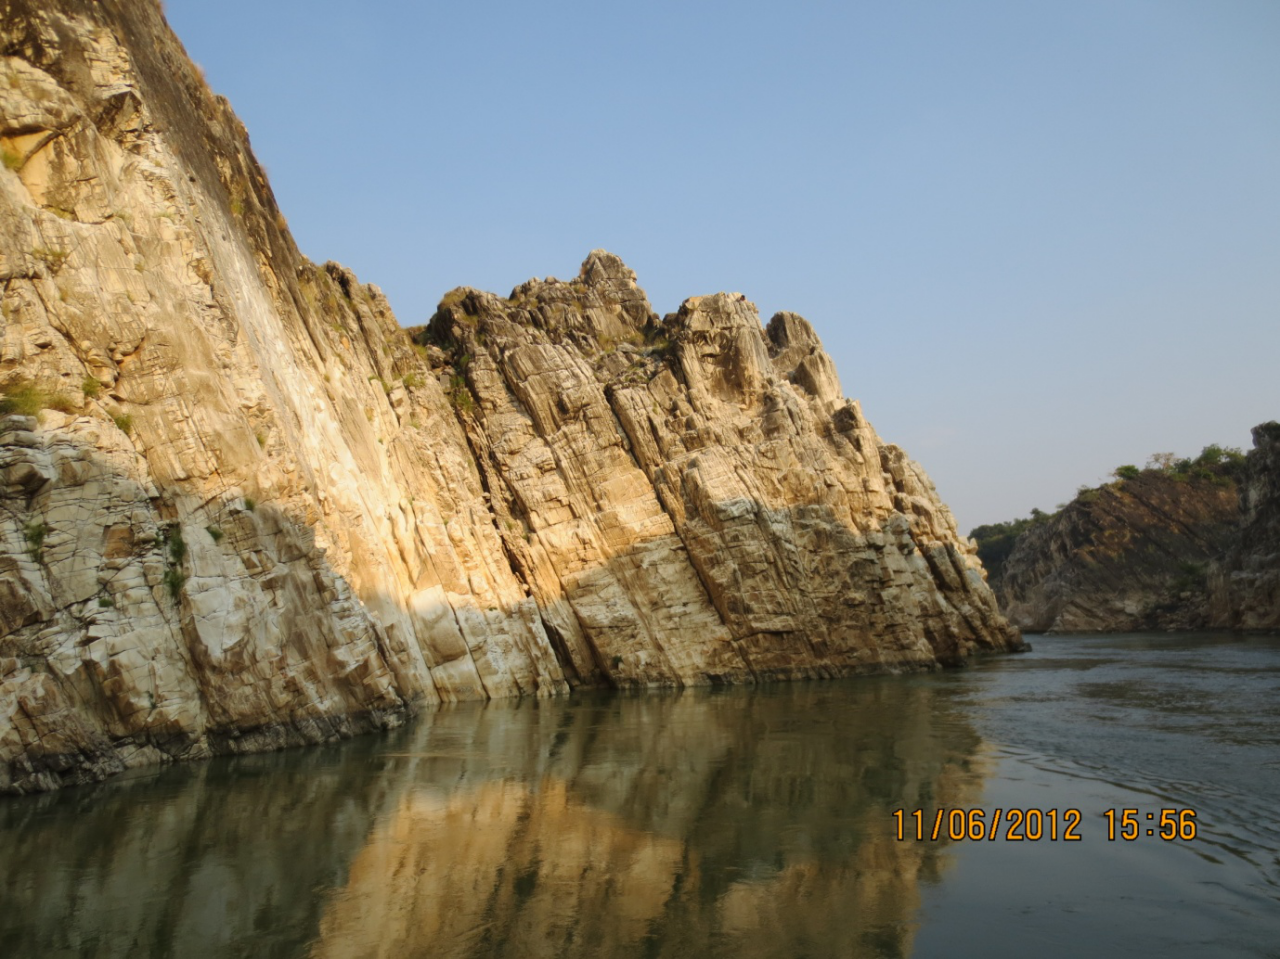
(1182, 544)
(240, 508)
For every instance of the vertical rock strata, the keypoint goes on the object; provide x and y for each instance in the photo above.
(692, 500)
(240, 509)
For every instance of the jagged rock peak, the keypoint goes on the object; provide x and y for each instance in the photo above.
(604, 269)
(599, 309)
(788, 330)
(798, 355)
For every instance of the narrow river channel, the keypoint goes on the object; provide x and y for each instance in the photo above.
(782, 821)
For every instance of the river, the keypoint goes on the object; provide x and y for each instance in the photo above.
(728, 822)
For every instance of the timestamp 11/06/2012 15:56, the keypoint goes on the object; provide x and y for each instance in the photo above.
(1033, 825)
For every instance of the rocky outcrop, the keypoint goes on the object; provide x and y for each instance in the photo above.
(1130, 555)
(1244, 585)
(240, 508)
(692, 499)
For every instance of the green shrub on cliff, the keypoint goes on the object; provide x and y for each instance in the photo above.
(1216, 464)
(28, 400)
(11, 158)
(996, 540)
(35, 534)
(460, 395)
(174, 580)
(23, 400)
(1225, 461)
(1213, 456)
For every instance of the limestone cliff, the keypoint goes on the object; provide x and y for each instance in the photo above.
(1244, 584)
(1130, 555)
(240, 508)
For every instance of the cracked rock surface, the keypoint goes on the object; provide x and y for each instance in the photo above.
(241, 508)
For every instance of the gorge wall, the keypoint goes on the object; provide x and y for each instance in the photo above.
(1130, 555)
(1244, 584)
(241, 508)
(1191, 545)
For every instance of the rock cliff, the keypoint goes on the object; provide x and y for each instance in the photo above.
(240, 508)
(1130, 555)
(1244, 584)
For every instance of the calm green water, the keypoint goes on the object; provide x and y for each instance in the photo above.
(743, 823)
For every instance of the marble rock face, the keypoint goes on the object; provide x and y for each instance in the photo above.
(241, 508)
(693, 500)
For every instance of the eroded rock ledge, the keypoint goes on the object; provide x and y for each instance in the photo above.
(241, 509)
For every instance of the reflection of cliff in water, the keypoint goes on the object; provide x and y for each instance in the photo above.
(749, 822)
(746, 823)
(210, 859)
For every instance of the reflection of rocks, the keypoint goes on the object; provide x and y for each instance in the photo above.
(195, 861)
(501, 866)
(699, 825)
(506, 869)
(240, 509)
(745, 822)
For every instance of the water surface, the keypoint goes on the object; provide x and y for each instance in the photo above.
(740, 822)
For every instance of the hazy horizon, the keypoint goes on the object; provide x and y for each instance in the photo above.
(1037, 242)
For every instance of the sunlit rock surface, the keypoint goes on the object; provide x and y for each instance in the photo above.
(698, 494)
(241, 509)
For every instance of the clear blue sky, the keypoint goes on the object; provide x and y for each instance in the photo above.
(1039, 239)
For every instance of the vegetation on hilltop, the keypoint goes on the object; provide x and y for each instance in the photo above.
(996, 540)
(1220, 465)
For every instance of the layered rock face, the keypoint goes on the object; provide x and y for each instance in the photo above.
(1131, 555)
(239, 508)
(693, 500)
(1244, 585)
